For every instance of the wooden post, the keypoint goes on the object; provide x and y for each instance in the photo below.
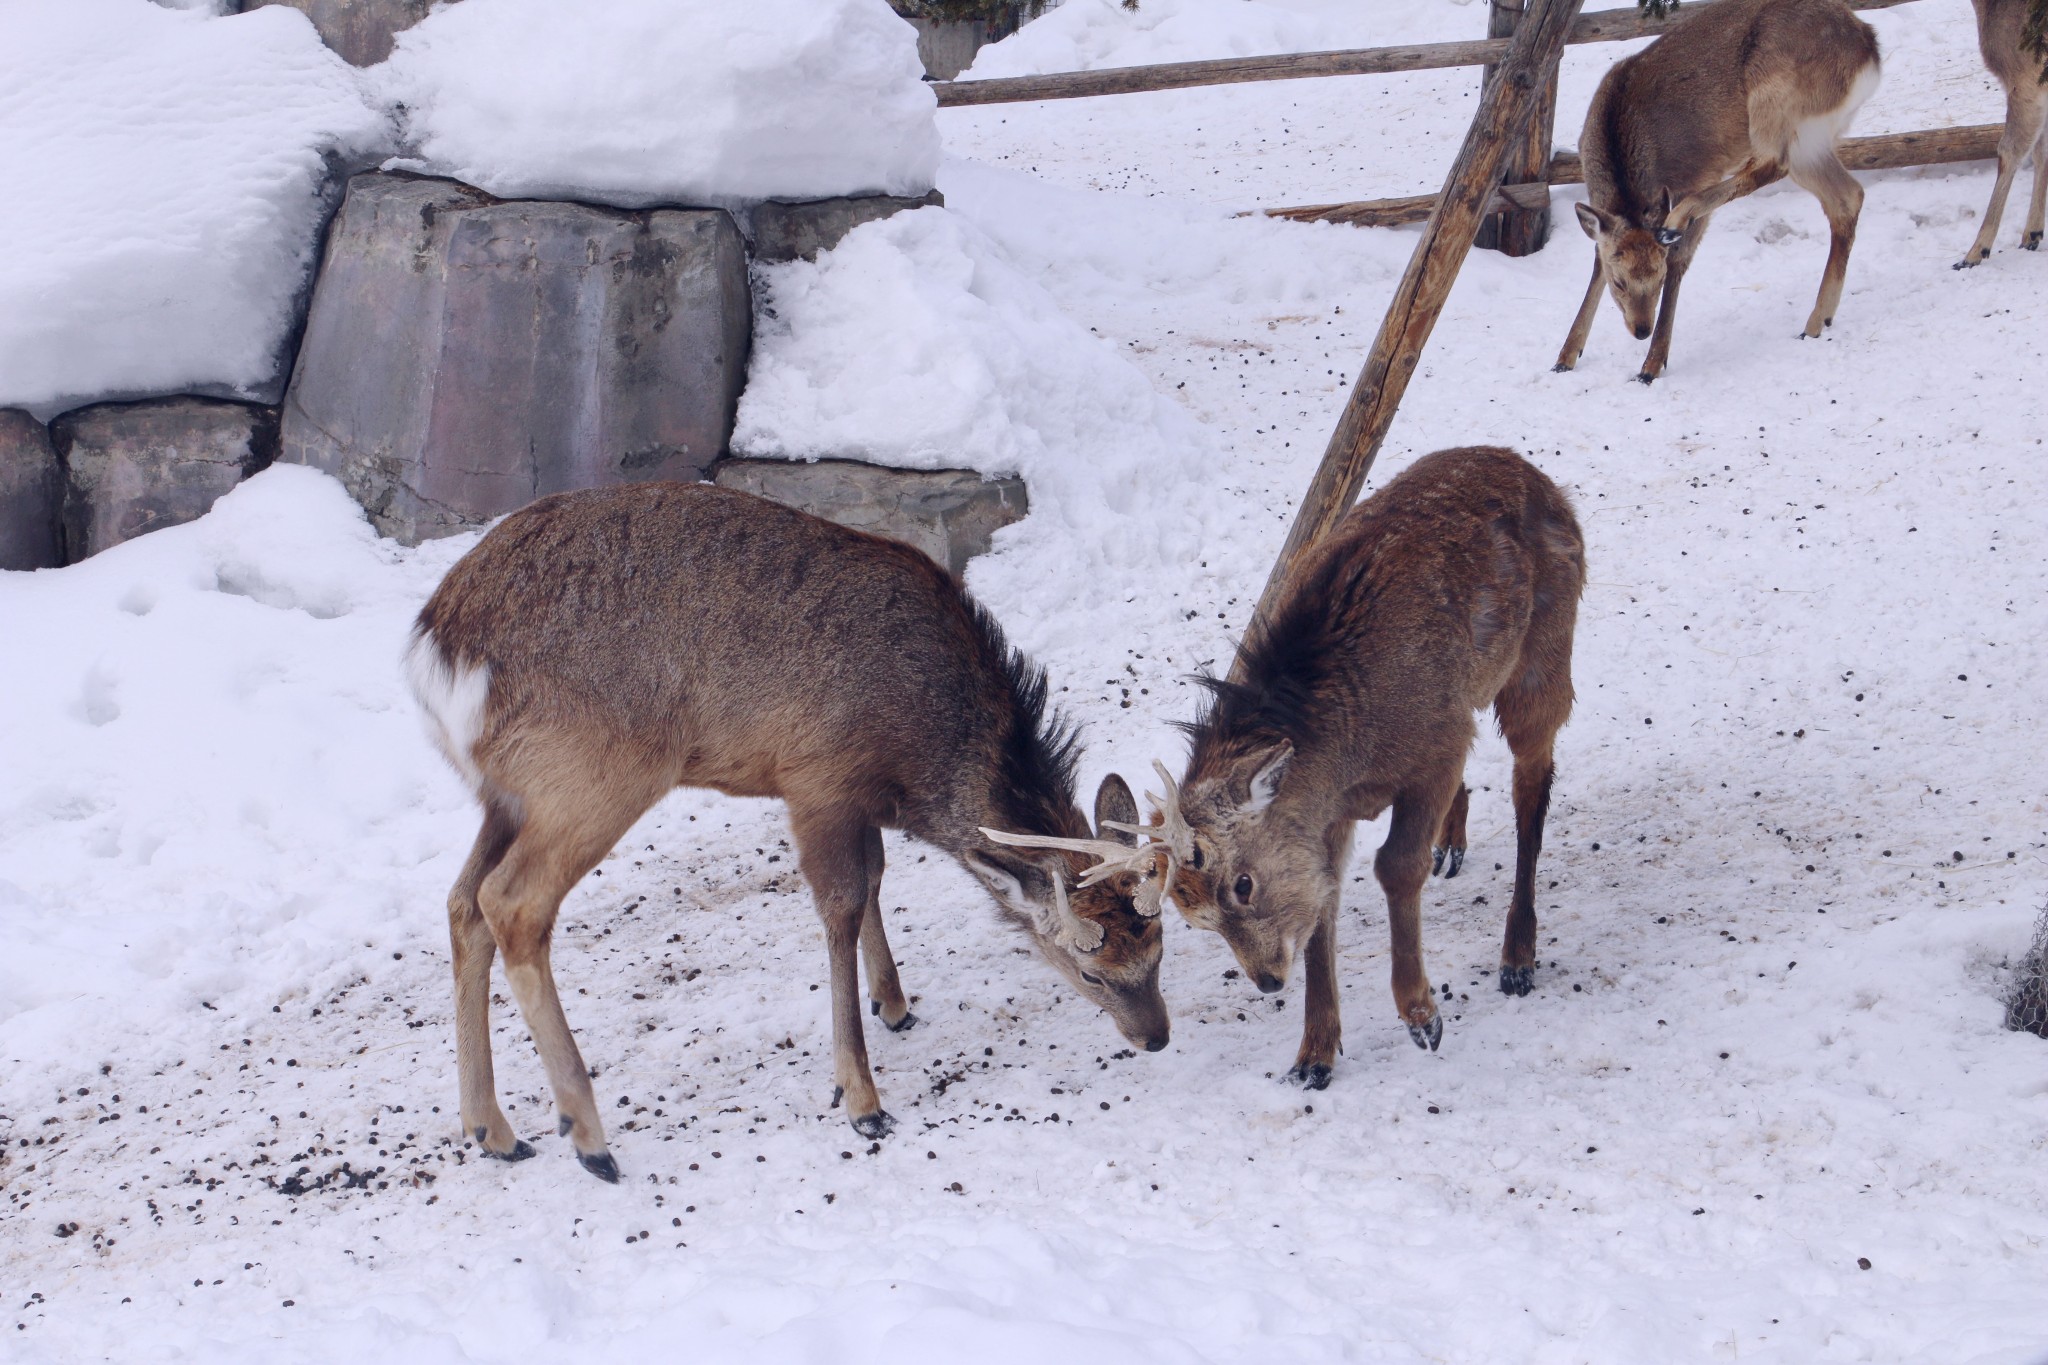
(1504, 108)
(1521, 231)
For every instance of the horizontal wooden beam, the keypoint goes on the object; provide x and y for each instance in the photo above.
(1602, 26)
(1882, 152)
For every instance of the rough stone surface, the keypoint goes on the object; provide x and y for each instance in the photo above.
(132, 468)
(947, 47)
(788, 232)
(31, 494)
(361, 31)
(950, 514)
(465, 355)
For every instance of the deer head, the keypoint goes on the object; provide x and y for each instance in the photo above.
(1634, 259)
(1092, 907)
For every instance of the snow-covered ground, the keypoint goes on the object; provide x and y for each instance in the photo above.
(1800, 825)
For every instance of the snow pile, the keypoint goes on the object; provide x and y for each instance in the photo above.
(637, 102)
(165, 171)
(916, 342)
(1087, 35)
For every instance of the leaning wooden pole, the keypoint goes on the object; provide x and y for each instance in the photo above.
(1504, 109)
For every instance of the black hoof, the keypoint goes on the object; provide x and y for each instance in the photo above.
(521, 1150)
(2033, 242)
(563, 1123)
(601, 1165)
(1436, 860)
(875, 1125)
(1560, 368)
(903, 1025)
(1311, 1075)
(1454, 864)
(1646, 378)
(1428, 1035)
(1517, 980)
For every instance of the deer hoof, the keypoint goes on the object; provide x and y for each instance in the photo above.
(601, 1165)
(1428, 1035)
(1646, 378)
(1561, 367)
(1454, 862)
(563, 1123)
(876, 1125)
(521, 1150)
(1517, 980)
(2032, 242)
(1311, 1075)
(903, 1025)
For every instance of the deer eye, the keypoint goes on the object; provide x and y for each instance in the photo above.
(1091, 978)
(1244, 889)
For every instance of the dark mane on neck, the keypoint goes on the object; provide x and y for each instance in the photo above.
(1288, 662)
(1038, 750)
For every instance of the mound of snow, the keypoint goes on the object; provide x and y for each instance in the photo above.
(164, 171)
(638, 102)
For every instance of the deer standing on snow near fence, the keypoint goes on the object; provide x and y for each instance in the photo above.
(601, 648)
(2000, 26)
(1737, 95)
(1455, 586)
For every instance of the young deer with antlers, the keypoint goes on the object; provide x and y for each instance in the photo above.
(2001, 26)
(1737, 95)
(1455, 586)
(601, 648)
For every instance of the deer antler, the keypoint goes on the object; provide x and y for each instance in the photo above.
(1169, 836)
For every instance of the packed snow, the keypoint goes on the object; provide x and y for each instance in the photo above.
(165, 174)
(1798, 839)
(639, 102)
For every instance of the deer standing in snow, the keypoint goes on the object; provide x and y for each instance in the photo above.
(1735, 96)
(600, 648)
(1455, 586)
(2000, 24)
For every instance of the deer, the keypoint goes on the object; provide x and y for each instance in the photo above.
(1455, 586)
(2001, 28)
(1735, 96)
(600, 648)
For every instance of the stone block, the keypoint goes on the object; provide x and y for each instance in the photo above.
(132, 468)
(789, 232)
(31, 494)
(950, 514)
(465, 355)
(360, 31)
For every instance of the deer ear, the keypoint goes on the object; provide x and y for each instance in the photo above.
(1266, 781)
(1593, 220)
(999, 881)
(1113, 801)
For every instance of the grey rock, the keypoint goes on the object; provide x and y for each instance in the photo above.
(132, 468)
(788, 232)
(947, 47)
(31, 494)
(361, 31)
(465, 355)
(950, 514)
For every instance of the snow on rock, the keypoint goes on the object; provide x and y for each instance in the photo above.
(640, 102)
(166, 172)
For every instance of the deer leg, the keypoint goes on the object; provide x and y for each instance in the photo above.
(1530, 716)
(1752, 176)
(520, 899)
(1675, 266)
(885, 991)
(834, 859)
(2037, 210)
(1575, 340)
(1449, 854)
(1402, 867)
(1841, 196)
(1322, 1027)
(469, 938)
(2023, 112)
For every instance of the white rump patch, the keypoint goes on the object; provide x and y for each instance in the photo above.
(1814, 140)
(452, 699)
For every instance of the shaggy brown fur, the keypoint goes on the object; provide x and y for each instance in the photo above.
(618, 643)
(2001, 26)
(1455, 586)
(1736, 95)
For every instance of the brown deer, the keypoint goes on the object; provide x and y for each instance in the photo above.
(1454, 586)
(601, 648)
(1736, 95)
(2000, 28)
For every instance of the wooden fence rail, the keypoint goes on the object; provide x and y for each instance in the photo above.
(1885, 151)
(1602, 26)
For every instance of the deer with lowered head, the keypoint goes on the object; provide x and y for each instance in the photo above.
(1735, 96)
(2001, 27)
(600, 648)
(1455, 586)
